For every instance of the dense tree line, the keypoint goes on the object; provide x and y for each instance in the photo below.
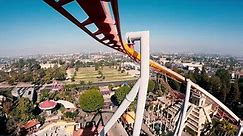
(30, 71)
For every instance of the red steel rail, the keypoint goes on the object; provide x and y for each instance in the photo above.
(99, 14)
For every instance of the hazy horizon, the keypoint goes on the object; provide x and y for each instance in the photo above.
(111, 51)
(205, 27)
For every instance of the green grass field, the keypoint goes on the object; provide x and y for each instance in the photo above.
(110, 74)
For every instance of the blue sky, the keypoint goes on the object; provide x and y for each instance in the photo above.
(32, 27)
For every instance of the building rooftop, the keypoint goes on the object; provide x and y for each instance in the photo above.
(47, 105)
(128, 117)
(31, 123)
(66, 104)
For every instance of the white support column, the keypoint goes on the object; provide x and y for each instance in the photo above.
(125, 103)
(143, 37)
(141, 85)
(178, 124)
(182, 119)
(240, 129)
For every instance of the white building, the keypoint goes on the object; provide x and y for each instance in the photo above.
(48, 65)
(133, 69)
(163, 60)
(130, 65)
(193, 66)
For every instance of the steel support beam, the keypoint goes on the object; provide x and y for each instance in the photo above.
(143, 37)
(240, 128)
(182, 119)
(124, 105)
(140, 87)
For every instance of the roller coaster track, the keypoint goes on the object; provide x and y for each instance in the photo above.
(104, 14)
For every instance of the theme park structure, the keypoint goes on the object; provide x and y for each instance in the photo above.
(104, 16)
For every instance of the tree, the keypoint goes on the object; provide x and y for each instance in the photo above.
(3, 76)
(28, 77)
(44, 94)
(23, 110)
(121, 93)
(197, 75)
(168, 65)
(12, 127)
(21, 63)
(11, 81)
(233, 95)
(174, 84)
(61, 62)
(91, 100)
(220, 84)
(204, 82)
(62, 109)
(82, 82)
(96, 66)
(77, 65)
(36, 79)
(89, 83)
(191, 76)
(71, 115)
(48, 75)
(59, 74)
(215, 86)
(7, 107)
(177, 70)
(240, 83)
(151, 85)
(224, 76)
